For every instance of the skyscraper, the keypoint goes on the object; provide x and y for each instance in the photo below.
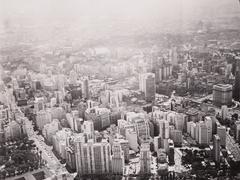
(237, 131)
(147, 85)
(43, 117)
(222, 94)
(216, 148)
(236, 90)
(157, 143)
(208, 122)
(221, 132)
(85, 88)
(203, 133)
(176, 136)
(93, 158)
(145, 158)
(171, 153)
(88, 129)
(163, 129)
(117, 158)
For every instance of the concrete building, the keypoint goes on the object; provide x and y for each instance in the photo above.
(88, 129)
(4, 112)
(59, 141)
(171, 153)
(203, 133)
(58, 113)
(176, 136)
(237, 131)
(43, 117)
(236, 90)
(180, 122)
(222, 94)
(104, 114)
(145, 159)
(157, 143)
(163, 129)
(221, 132)
(85, 89)
(147, 85)
(140, 123)
(74, 120)
(193, 130)
(216, 148)
(13, 130)
(192, 115)
(165, 71)
(50, 129)
(117, 159)
(162, 163)
(224, 112)
(99, 116)
(132, 137)
(209, 124)
(39, 104)
(125, 147)
(123, 126)
(93, 158)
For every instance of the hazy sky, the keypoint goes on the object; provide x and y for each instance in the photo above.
(116, 8)
(149, 14)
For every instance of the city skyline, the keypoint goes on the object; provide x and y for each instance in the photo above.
(116, 89)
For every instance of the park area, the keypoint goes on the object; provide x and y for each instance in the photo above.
(18, 157)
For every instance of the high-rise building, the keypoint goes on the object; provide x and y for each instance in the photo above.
(39, 104)
(222, 94)
(59, 141)
(224, 112)
(132, 137)
(50, 129)
(145, 159)
(117, 159)
(12, 130)
(171, 153)
(203, 133)
(180, 121)
(176, 136)
(4, 112)
(125, 147)
(216, 148)
(193, 115)
(193, 130)
(2, 134)
(73, 77)
(163, 129)
(99, 116)
(157, 143)
(88, 129)
(221, 132)
(236, 90)
(43, 117)
(123, 126)
(70, 149)
(59, 95)
(104, 115)
(162, 163)
(165, 71)
(237, 131)
(174, 56)
(85, 89)
(93, 158)
(140, 123)
(142, 128)
(147, 85)
(209, 123)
